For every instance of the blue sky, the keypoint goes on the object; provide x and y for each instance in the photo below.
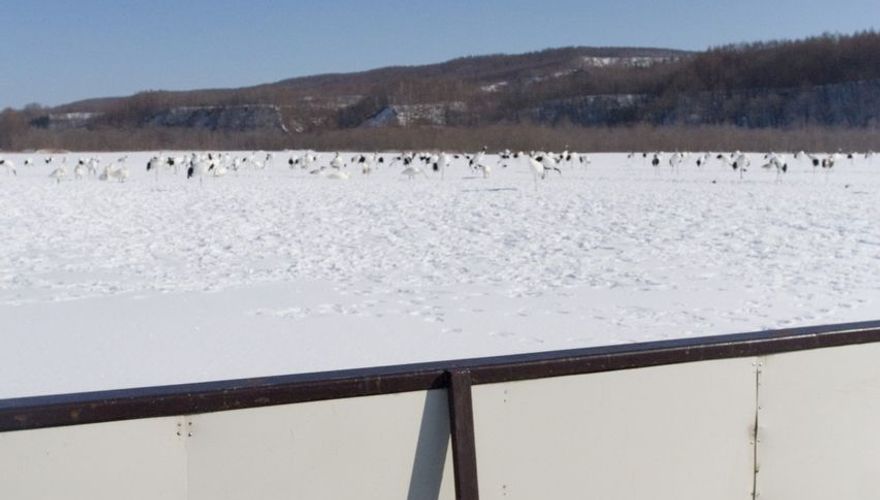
(58, 51)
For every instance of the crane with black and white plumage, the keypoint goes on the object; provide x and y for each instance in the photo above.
(59, 173)
(367, 163)
(443, 164)
(703, 160)
(676, 160)
(655, 162)
(199, 166)
(337, 162)
(737, 161)
(412, 171)
(537, 169)
(9, 166)
(549, 163)
(304, 161)
(118, 172)
(584, 160)
(153, 165)
(79, 169)
(776, 161)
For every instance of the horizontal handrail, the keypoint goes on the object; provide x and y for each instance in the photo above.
(186, 399)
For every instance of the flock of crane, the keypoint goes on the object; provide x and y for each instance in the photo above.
(412, 164)
(740, 162)
(200, 165)
(82, 167)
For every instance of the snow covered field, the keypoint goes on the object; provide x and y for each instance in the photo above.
(260, 272)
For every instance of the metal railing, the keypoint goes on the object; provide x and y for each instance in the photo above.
(456, 376)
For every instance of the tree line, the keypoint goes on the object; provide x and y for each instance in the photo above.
(333, 107)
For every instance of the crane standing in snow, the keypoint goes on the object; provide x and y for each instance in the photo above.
(537, 169)
(737, 161)
(777, 162)
(9, 166)
(59, 173)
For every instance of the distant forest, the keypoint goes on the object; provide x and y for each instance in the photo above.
(820, 93)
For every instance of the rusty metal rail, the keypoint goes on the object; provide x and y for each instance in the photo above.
(103, 406)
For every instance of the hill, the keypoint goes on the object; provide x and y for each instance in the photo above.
(825, 81)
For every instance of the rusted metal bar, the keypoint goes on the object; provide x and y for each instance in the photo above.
(93, 407)
(189, 399)
(461, 425)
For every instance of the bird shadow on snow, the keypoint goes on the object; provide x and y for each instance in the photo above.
(472, 178)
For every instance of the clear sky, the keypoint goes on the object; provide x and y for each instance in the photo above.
(56, 51)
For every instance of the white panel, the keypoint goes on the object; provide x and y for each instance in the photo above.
(674, 432)
(818, 424)
(133, 459)
(390, 447)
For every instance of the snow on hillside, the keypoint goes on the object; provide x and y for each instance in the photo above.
(271, 271)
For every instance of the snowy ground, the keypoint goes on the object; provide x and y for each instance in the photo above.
(109, 285)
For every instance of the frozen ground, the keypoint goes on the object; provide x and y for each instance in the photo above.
(109, 285)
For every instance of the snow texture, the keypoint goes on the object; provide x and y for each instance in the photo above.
(269, 271)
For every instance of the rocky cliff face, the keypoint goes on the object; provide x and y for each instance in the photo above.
(851, 104)
(612, 109)
(65, 121)
(225, 118)
(403, 115)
